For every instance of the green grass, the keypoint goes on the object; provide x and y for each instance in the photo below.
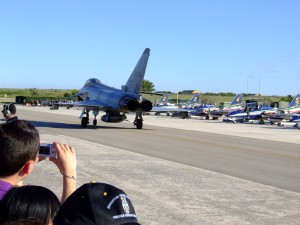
(11, 93)
(32, 92)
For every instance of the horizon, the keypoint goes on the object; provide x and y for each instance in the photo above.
(157, 92)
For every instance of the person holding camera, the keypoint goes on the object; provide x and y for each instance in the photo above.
(9, 113)
(19, 149)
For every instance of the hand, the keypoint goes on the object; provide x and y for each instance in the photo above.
(66, 159)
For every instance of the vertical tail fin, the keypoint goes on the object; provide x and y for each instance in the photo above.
(238, 99)
(135, 81)
(195, 99)
(164, 99)
(295, 101)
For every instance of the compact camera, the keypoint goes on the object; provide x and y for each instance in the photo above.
(47, 151)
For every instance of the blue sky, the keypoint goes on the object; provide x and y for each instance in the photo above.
(209, 45)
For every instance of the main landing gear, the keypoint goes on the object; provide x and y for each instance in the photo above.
(138, 122)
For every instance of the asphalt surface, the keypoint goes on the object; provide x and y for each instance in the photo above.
(182, 171)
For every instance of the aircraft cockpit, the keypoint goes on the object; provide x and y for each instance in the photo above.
(92, 82)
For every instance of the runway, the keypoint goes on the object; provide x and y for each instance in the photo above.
(186, 171)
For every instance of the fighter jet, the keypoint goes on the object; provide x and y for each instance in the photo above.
(236, 104)
(95, 96)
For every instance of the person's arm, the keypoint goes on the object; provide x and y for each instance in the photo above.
(66, 163)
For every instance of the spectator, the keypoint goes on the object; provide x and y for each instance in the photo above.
(19, 147)
(9, 112)
(29, 201)
(96, 204)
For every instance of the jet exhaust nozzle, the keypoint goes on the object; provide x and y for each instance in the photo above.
(132, 105)
(146, 105)
(129, 103)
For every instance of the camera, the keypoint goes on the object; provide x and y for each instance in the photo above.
(47, 151)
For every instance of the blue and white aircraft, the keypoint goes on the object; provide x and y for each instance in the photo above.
(286, 114)
(204, 110)
(247, 114)
(297, 120)
(176, 110)
(95, 96)
(215, 112)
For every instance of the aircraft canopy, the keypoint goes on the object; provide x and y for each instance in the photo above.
(92, 82)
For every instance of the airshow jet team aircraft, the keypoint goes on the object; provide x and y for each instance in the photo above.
(288, 113)
(95, 96)
(215, 112)
(259, 114)
(182, 111)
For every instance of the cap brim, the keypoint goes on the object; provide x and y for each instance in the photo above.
(131, 223)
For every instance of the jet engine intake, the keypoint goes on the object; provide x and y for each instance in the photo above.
(146, 105)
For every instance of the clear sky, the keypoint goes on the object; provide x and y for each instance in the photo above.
(235, 46)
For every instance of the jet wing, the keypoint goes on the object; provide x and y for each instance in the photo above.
(88, 103)
(166, 109)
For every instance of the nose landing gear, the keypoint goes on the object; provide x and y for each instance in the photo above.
(85, 119)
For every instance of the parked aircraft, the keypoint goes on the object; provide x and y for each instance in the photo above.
(286, 114)
(236, 104)
(215, 112)
(297, 120)
(193, 103)
(176, 110)
(260, 114)
(164, 101)
(163, 104)
(204, 110)
(95, 96)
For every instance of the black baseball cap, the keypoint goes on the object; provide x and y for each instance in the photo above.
(97, 204)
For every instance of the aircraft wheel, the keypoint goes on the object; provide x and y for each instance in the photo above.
(272, 123)
(94, 122)
(207, 117)
(84, 121)
(139, 124)
(183, 115)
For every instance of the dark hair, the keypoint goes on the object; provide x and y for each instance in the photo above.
(19, 143)
(12, 108)
(28, 221)
(29, 202)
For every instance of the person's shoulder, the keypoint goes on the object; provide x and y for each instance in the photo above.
(12, 119)
(4, 188)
